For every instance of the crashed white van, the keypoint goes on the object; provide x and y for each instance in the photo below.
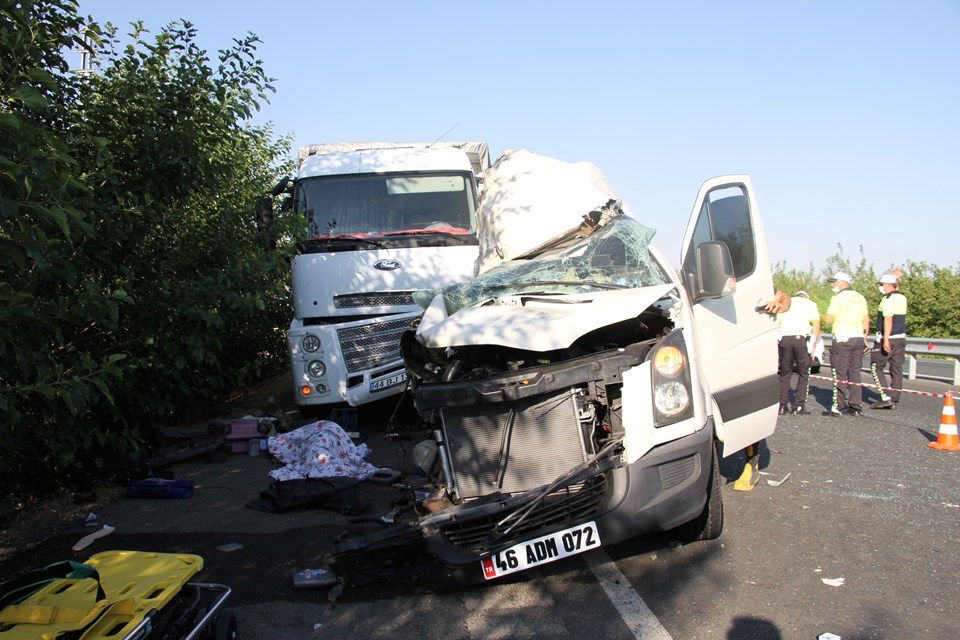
(577, 390)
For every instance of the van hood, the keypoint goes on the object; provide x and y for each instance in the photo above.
(533, 322)
(596, 274)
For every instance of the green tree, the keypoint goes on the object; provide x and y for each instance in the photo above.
(931, 291)
(181, 177)
(48, 303)
(134, 282)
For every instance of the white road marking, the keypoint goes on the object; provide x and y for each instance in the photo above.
(632, 609)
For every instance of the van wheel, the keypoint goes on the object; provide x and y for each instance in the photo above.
(709, 524)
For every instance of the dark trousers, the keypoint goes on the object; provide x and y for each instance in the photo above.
(793, 349)
(846, 359)
(879, 359)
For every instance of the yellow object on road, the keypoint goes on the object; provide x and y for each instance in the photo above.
(751, 470)
(132, 583)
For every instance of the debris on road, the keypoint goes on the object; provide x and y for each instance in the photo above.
(777, 483)
(88, 539)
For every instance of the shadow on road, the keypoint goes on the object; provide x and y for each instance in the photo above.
(748, 628)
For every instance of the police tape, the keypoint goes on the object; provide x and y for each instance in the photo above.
(874, 386)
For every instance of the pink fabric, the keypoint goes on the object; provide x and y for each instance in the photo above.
(318, 450)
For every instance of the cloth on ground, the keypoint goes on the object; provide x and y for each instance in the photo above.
(318, 450)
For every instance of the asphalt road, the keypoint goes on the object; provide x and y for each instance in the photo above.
(866, 501)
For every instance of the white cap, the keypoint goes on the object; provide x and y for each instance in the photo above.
(802, 294)
(887, 279)
(840, 275)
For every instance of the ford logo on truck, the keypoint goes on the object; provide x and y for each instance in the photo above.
(386, 265)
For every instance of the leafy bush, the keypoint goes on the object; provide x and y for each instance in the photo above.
(133, 281)
(930, 291)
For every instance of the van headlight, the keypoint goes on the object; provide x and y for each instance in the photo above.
(671, 399)
(671, 380)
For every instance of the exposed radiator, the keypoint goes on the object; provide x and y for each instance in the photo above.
(512, 447)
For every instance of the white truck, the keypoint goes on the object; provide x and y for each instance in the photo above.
(578, 391)
(386, 219)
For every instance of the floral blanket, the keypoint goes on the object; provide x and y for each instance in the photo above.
(318, 450)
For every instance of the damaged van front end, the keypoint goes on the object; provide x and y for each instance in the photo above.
(560, 392)
(577, 392)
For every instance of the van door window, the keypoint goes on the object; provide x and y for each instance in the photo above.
(725, 216)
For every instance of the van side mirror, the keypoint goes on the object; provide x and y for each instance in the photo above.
(714, 276)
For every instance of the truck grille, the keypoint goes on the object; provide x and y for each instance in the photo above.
(571, 504)
(389, 299)
(371, 345)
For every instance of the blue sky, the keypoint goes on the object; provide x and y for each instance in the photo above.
(844, 113)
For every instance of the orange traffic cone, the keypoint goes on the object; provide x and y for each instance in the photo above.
(947, 437)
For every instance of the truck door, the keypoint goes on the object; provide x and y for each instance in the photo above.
(736, 343)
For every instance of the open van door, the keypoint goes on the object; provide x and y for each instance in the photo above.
(736, 341)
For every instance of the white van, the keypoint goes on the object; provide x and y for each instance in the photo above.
(578, 392)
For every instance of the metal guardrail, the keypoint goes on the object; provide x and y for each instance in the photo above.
(916, 347)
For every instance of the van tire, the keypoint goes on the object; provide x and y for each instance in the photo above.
(709, 524)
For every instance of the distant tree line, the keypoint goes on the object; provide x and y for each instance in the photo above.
(932, 292)
(134, 284)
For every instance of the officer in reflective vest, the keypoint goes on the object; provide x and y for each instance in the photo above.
(850, 322)
(891, 344)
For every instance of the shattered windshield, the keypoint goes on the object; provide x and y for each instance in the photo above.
(613, 256)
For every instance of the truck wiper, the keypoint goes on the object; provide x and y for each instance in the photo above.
(572, 283)
(318, 239)
(428, 232)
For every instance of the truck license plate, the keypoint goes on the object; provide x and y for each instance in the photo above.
(395, 379)
(532, 553)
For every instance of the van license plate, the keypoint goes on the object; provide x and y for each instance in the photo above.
(542, 550)
(395, 379)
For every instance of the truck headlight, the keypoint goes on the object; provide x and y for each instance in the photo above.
(310, 343)
(316, 369)
(671, 380)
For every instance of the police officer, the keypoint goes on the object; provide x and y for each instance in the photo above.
(891, 344)
(850, 322)
(796, 326)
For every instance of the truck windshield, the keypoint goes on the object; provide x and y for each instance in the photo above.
(615, 256)
(377, 204)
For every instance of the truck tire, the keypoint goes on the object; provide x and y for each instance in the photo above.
(709, 524)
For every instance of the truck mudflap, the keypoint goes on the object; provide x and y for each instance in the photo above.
(598, 503)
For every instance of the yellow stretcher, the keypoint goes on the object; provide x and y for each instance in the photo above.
(138, 595)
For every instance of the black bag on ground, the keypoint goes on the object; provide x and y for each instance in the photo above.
(338, 493)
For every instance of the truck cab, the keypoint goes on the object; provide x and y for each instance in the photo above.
(385, 220)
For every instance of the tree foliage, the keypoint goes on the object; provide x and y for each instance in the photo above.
(134, 282)
(930, 291)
